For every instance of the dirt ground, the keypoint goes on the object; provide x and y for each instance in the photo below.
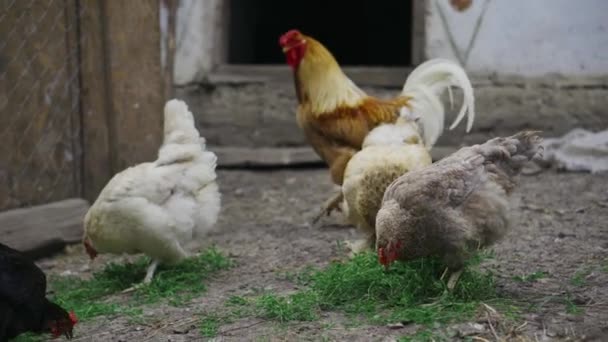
(560, 229)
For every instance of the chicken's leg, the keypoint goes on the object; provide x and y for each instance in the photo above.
(454, 279)
(330, 205)
(150, 272)
(147, 280)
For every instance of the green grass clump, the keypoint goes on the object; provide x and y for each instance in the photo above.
(300, 306)
(579, 278)
(411, 292)
(178, 283)
(209, 326)
(183, 281)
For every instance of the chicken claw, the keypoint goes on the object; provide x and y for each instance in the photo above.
(333, 203)
(147, 279)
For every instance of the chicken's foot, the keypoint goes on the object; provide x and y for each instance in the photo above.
(150, 272)
(147, 280)
(333, 203)
(454, 279)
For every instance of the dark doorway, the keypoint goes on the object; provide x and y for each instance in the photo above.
(357, 32)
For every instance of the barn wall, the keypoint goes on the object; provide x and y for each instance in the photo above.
(39, 153)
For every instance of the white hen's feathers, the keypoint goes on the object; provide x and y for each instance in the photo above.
(158, 207)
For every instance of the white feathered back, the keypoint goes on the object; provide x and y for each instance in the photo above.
(426, 84)
(179, 124)
(182, 140)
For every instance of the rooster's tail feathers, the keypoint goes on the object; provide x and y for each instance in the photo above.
(426, 84)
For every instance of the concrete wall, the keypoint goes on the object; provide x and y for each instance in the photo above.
(527, 38)
(522, 37)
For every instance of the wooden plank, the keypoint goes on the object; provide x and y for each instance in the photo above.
(97, 162)
(72, 12)
(243, 157)
(122, 87)
(36, 157)
(132, 32)
(40, 230)
(285, 157)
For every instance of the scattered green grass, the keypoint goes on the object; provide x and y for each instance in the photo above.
(300, 306)
(579, 278)
(531, 277)
(571, 307)
(408, 292)
(210, 326)
(176, 284)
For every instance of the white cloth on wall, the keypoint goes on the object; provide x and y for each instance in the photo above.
(578, 150)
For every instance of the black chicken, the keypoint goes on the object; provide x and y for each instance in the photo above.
(23, 303)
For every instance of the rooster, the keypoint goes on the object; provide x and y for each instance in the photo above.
(157, 207)
(23, 303)
(336, 115)
(455, 206)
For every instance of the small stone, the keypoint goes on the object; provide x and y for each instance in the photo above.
(468, 329)
(183, 330)
(396, 326)
(574, 318)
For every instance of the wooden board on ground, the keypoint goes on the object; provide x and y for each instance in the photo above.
(267, 157)
(42, 230)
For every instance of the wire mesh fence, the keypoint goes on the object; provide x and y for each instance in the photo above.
(40, 153)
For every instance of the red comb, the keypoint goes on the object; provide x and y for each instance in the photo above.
(382, 257)
(287, 36)
(73, 317)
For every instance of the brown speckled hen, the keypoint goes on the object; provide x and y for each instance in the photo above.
(453, 207)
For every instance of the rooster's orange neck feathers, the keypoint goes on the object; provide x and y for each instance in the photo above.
(320, 83)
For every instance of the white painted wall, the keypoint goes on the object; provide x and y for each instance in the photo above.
(198, 24)
(525, 37)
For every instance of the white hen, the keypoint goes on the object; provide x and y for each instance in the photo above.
(156, 208)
